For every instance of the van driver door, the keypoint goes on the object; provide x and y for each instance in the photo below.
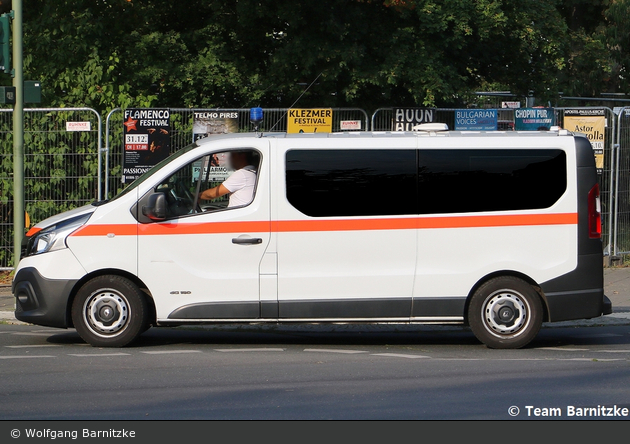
(202, 261)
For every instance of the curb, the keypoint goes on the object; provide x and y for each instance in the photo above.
(9, 318)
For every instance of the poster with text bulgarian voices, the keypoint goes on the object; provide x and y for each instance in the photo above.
(592, 123)
(476, 120)
(147, 137)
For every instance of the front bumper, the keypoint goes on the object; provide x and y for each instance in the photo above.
(40, 300)
(607, 307)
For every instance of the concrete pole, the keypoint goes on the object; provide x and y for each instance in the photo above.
(18, 134)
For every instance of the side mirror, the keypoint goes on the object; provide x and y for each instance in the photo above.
(156, 209)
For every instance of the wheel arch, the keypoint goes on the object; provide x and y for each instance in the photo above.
(116, 272)
(511, 273)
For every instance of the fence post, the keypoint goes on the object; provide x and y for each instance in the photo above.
(99, 145)
(374, 117)
(612, 198)
(616, 210)
(106, 150)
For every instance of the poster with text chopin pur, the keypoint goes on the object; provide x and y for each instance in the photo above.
(147, 140)
(591, 123)
(534, 119)
(316, 120)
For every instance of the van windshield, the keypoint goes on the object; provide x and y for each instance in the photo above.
(152, 171)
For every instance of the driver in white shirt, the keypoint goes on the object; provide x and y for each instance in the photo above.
(240, 185)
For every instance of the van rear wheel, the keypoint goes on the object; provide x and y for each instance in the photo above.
(110, 311)
(505, 312)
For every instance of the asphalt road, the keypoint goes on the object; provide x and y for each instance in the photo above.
(309, 372)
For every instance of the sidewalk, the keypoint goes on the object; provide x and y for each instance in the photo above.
(616, 287)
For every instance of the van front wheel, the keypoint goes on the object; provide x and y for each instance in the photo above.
(505, 312)
(109, 311)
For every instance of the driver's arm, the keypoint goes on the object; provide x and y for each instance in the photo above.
(213, 193)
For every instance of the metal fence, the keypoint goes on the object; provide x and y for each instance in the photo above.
(383, 118)
(66, 169)
(61, 167)
(607, 177)
(621, 225)
(274, 120)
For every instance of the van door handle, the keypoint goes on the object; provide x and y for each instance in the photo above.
(247, 241)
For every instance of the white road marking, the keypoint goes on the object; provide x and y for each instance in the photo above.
(599, 335)
(26, 357)
(399, 355)
(169, 352)
(529, 359)
(332, 350)
(89, 355)
(613, 351)
(562, 349)
(33, 346)
(228, 350)
(32, 334)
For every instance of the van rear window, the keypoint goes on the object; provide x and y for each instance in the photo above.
(332, 183)
(468, 181)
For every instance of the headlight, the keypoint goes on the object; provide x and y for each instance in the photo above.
(54, 237)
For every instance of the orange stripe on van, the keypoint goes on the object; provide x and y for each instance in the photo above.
(426, 222)
(105, 229)
(207, 228)
(33, 231)
(318, 225)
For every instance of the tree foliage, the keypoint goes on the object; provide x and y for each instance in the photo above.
(370, 53)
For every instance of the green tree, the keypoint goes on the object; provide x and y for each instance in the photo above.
(106, 53)
(617, 36)
(370, 53)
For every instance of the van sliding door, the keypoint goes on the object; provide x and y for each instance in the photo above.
(346, 231)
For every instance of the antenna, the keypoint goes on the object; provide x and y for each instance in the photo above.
(298, 99)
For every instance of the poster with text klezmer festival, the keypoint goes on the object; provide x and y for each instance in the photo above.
(147, 140)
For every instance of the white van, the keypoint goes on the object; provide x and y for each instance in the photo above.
(500, 231)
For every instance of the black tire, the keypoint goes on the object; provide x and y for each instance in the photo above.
(110, 311)
(505, 312)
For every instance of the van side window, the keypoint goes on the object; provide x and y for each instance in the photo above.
(214, 182)
(329, 183)
(468, 181)
(332, 183)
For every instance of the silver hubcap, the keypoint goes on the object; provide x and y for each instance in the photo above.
(506, 313)
(106, 313)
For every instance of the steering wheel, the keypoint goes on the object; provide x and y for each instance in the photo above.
(182, 195)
